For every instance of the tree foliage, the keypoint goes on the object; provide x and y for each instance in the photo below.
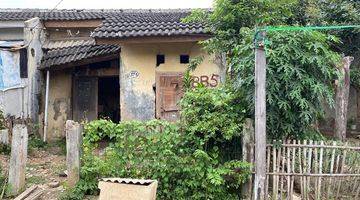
(300, 73)
(301, 65)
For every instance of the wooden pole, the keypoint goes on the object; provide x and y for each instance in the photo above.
(342, 99)
(18, 158)
(73, 151)
(248, 154)
(260, 119)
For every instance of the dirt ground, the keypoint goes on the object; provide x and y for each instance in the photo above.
(43, 168)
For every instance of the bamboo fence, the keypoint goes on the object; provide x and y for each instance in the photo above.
(312, 170)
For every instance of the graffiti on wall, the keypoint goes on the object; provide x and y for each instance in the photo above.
(208, 81)
(212, 80)
(132, 74)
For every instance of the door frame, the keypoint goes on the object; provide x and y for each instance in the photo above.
(73, 99)
(158, 74)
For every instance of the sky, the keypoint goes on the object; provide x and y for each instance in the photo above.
(106, 4)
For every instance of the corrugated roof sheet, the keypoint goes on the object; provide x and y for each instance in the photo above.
(56, 57)
(128, 181)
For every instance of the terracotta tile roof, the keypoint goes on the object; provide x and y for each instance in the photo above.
(45, 14)
(58, 44)
(118, 23)
(56, 57)
(148, 23)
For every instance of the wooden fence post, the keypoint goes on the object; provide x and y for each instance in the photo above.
(260, 117)
(73, 151)
(248, 154)
(18, 158)
(342, 99)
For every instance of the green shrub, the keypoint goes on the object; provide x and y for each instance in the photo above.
(188, 163)
(36, 142)
(2, 120)
(216, 113)
(5, 149)
(4, 187)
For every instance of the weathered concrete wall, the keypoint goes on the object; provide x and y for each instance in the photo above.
(138, 69)
(34, 36)
(11, 34)
(68, 33)
(11, 30)
(13, 102)
(59, 103)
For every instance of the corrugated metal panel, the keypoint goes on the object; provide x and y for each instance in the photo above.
(128, 181)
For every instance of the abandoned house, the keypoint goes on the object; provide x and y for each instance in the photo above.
(117, 64)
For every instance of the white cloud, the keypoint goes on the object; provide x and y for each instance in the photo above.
(106, 4)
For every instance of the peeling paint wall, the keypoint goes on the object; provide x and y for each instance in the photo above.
(12, 30)
(138, 69)
(34, 36)
(13, 102)
(13, 93)
(59, 103)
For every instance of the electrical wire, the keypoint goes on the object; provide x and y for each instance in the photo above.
(259, 37)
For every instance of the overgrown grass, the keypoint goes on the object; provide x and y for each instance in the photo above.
(35, 180)
(4, 188)
(36, 143)
(61, 144)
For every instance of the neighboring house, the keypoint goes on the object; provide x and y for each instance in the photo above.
(18, 88)
(119, 64)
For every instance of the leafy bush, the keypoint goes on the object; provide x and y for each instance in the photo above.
(213, 114)
(187, 162)
(4, 187)
(36, 142)
(2, 120)
(5, 149)
(301, 69)
(301, 64)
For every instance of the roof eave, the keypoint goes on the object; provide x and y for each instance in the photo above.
(82, 62)
(151, 39)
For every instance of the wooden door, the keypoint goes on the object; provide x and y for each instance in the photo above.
(168, 94)
(85, 98)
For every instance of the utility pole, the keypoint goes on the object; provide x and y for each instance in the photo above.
(260, 116)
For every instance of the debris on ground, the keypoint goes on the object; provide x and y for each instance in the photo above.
(44, 169)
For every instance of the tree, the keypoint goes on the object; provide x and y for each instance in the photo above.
(301, 65)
